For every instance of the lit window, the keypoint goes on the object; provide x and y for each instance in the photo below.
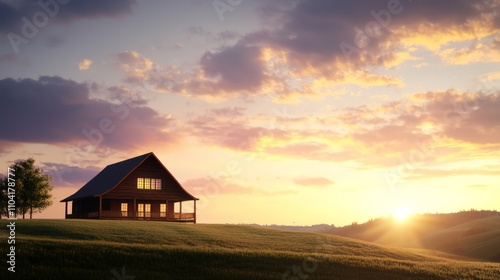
(148, 184)
(156, 184)
(163, 210)
(140, 210)
(140, 183)
(124, 209)
(147, 210)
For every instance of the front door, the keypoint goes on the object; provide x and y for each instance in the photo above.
(144, 210)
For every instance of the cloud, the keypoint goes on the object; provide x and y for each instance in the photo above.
(316, 46)
(85, 64)
(424, 173)
(481, 52)
(12, 12)
(435, 126)
(136, 67)
(69, 176)
(491, 77)
(216, 78)
(59, 111)
(215, 186)
(5, 147)
(209, 186)
(313, 31)
(315, 182)
(221, 66)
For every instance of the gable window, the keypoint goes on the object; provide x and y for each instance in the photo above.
(124, 209)
(148, 184)
(156, 184)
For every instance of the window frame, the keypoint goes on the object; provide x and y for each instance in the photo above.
(148, 183)
(124, 213)
(163, 210)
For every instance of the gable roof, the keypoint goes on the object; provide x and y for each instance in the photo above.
(111, 176)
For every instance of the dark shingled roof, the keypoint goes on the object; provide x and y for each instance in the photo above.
(108, 178)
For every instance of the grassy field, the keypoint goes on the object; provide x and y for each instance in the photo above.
(84, 249)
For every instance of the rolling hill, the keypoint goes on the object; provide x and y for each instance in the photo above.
(88, 249)
(474, 234)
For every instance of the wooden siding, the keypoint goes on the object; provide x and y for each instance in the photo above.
(150, 168)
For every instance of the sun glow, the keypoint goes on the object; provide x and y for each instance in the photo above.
(401, 214)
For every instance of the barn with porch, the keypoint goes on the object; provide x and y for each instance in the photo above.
(140, 188)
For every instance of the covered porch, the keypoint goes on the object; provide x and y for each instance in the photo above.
(132, 209)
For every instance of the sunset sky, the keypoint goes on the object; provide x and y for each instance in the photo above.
(271, 112)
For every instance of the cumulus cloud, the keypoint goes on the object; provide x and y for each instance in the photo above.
(136, 67)
(85, 64)
(222, 66)
(55, 110)
(69, 176)
(315, 46)
(11, 12)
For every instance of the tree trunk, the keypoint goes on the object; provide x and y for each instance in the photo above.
(23, 214)
(31, 212)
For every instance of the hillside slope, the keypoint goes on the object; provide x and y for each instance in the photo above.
(82, 249)
(477, 238)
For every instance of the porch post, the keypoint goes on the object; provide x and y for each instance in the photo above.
(166, 210)
(66, 210)
(134, 208)
(195, 211)
(100, 206)
(180, 210)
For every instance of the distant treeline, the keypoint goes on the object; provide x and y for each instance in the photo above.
(447, 220)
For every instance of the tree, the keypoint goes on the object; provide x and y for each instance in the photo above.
(3, 197)
(32, 187)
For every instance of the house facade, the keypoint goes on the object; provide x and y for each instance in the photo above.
(139, 188)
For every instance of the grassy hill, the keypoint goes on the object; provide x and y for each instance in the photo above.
(479, 239)
(85, 249)
(473, 234)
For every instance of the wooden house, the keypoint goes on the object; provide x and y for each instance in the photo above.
(140, 188)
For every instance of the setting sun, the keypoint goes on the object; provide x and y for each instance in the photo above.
(401, 214)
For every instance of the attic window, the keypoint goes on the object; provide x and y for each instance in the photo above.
(148, 184)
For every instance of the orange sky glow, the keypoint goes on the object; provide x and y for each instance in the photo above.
(284, 112)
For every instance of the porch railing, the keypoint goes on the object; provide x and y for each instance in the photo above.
(139, 215)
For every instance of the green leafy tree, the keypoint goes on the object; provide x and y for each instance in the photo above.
(32, 187)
